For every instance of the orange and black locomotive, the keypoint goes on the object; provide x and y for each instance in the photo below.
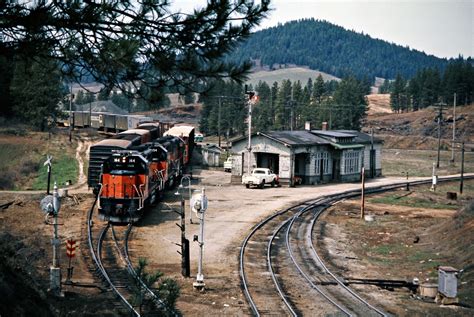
(133, 177)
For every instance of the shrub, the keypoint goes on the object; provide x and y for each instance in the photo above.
(464, 215)
(7, 179)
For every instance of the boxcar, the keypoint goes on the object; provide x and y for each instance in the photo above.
(81, 119)
(97, 120)
(109, 122)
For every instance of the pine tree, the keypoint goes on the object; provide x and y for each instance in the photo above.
(80, 98)
(396, 97)
(37, 90)
(351, 104)
(318, 89)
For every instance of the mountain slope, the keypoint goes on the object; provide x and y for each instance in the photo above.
(332, 49)
(293, 73)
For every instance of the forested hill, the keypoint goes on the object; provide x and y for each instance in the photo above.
(332, 49)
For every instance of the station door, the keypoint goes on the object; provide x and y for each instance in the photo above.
(269, 160)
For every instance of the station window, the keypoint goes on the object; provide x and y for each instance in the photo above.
(324, 156)
(351, 162)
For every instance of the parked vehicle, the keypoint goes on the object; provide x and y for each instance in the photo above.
(198, 137)
(260, 177)
(228, 165)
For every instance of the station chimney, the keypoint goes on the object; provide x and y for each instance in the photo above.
(324, 126)
(307, 126)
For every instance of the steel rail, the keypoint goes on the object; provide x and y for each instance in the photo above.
(272, 273)
(106, 275)
(300, 270)
(242, 274)
(343, 195)
(96, 256)
(315, 254)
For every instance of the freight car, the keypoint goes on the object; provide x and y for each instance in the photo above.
(186, 133)
(103, 121)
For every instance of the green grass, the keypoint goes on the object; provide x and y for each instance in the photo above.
(419, 163)
(415, 202)
(21, 162)
(391, 254)
(64, 169)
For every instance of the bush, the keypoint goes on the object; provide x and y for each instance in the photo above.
(464, 215)
(7, 179)
(29, 167)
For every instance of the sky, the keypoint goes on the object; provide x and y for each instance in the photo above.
(444, 28)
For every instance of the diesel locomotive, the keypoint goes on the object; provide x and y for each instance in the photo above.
(135, 170)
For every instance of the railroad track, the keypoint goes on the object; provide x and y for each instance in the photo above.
(281, 272)
(109, 252)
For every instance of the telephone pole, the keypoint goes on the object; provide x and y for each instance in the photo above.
(454, 128)
(440, 116)
(219, 121)
(251, 99)
(70, 113)
(461, 184)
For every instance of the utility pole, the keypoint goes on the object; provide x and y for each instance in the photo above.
(250, 100)
(462, 169)
(362, 196)
(440, 115)
(291, 110)
(372, 154)
(219, 121)
(70, 113)
(454, 129)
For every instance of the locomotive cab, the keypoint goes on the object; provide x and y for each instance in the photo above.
(124, 187)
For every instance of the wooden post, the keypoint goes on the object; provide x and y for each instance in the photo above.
(462, 169)
(454, 129)
(185, 263)
(362, 196)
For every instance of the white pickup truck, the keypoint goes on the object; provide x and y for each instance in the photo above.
(228, 165)
(260, 177)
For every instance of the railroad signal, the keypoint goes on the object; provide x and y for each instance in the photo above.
(71, 248)
(70, 252)
(48, 164)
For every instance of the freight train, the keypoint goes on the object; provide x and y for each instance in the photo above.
(106, 121)
(131, 170)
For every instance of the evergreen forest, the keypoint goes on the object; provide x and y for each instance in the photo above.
(323, 46)
(285, 106)
(430, 87)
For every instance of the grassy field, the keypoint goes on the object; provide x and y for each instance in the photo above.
(396, 162)
(64, 170)
(423, 197)
(22, 158)
(293, 74)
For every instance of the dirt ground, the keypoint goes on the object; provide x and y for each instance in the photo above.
(404, 242)
(228, 220)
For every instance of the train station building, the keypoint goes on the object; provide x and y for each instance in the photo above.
(310, 156)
